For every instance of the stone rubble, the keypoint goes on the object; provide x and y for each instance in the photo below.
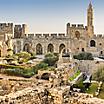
(42, 95)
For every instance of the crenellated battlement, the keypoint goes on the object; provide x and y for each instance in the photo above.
(6, 28)
(6, 25)
(75, 25)
(20, 31)
(46, 35)
(98, 36)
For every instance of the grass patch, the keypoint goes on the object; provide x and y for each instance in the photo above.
(92, 89)
(5, 66)
(101, 95)
(75, 75)
(17, 70)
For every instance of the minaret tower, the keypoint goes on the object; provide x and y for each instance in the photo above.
(90, 27)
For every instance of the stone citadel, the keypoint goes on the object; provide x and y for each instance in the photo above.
(78, 38)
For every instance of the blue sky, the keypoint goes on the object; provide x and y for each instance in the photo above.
(51, 15)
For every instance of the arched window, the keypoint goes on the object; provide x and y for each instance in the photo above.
(92, 43)
(83, 49)
(62, 46)
(101, 52)
(77, 34)
(26, 47)
(100, 44)
(39, 50)
(50, 48)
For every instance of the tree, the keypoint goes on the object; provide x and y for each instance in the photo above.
(50, 59)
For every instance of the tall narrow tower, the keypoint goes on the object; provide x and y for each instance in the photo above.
(90, 26)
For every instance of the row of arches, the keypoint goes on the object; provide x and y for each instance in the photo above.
(39, 48)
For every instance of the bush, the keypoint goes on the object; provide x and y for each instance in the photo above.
(23, 56)
(99, 75)
(80, 85)
(83, 56)
(41, 65)
(19, 72)
(5, 66)
(50, 59)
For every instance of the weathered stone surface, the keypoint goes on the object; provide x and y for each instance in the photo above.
(40, 95)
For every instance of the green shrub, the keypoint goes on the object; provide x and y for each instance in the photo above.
(83, 56)
(50, 59)
(5, 66)
(41, 65)
(80, 85)
(19, 72)
(23, 56)
(75, 75)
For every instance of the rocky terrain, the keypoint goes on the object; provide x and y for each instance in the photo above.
(41, 92)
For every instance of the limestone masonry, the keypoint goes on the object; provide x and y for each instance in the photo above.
(78, 38)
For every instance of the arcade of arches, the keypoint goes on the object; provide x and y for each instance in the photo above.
(39, 48)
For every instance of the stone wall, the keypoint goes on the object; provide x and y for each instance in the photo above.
(29, 95)
(40, 95)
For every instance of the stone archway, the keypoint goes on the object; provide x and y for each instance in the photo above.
(60, 61)
(92, 43)
(101, 52)
(83, 50)
(45, 76)
(61, 47)
(77, 34)
(26, 47)
(50, 48)
(39, 49)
